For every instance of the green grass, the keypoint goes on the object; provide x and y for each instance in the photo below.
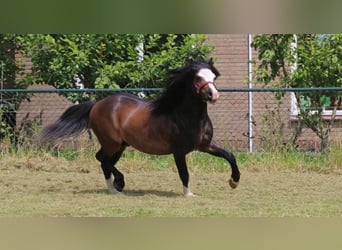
(278, 159)
(70, 183)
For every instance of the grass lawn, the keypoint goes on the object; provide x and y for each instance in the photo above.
(47, 186)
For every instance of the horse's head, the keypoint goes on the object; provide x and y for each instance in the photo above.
(204, 85)
(195, 78)
(203, 82)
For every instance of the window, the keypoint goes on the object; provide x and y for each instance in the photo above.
(314, 101)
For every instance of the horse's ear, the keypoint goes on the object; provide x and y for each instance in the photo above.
(211, 61)
(189, 61)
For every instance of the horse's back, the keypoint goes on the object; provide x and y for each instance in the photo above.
(115, 107)
(120, 99)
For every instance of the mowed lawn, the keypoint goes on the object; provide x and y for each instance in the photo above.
(49, 187)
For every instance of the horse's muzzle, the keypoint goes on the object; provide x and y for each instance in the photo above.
(213, 94)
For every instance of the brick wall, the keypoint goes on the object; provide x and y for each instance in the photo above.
(231, 54)
(25, 63)
(229, 114)
(41, 108)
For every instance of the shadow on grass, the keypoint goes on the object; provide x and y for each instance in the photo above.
(133, 192)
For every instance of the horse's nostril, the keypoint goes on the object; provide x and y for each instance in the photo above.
(210, 96)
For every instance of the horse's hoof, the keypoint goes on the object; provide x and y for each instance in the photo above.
(187, 192)
(118, 193)
(233, 184)
(119, 185)
(114, 191)
(190, 195)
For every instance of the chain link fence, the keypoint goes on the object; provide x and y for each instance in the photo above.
(251, 120)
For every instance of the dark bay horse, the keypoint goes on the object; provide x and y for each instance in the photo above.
(175, 123)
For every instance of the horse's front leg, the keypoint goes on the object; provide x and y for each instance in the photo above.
(183, 173)
(215, 150)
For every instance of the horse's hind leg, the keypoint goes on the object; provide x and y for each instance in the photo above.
(116, 184)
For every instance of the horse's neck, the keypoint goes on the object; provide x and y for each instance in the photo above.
(193, 108)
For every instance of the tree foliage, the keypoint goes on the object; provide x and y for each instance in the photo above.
(108, 61)
(275, 57)
(99, 60)
(306, 60)
(9, 67)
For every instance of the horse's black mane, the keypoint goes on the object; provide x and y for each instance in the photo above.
(179, 81)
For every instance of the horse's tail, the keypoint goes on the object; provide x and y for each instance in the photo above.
(71, 123)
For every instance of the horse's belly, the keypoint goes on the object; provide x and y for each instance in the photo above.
(150, 146)
(147, 135)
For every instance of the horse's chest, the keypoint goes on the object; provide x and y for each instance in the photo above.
(205, 134)
(192, 135)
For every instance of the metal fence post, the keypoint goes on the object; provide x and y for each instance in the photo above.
(250, 95)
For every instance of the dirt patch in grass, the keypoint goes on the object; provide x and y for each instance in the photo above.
(48, 188)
